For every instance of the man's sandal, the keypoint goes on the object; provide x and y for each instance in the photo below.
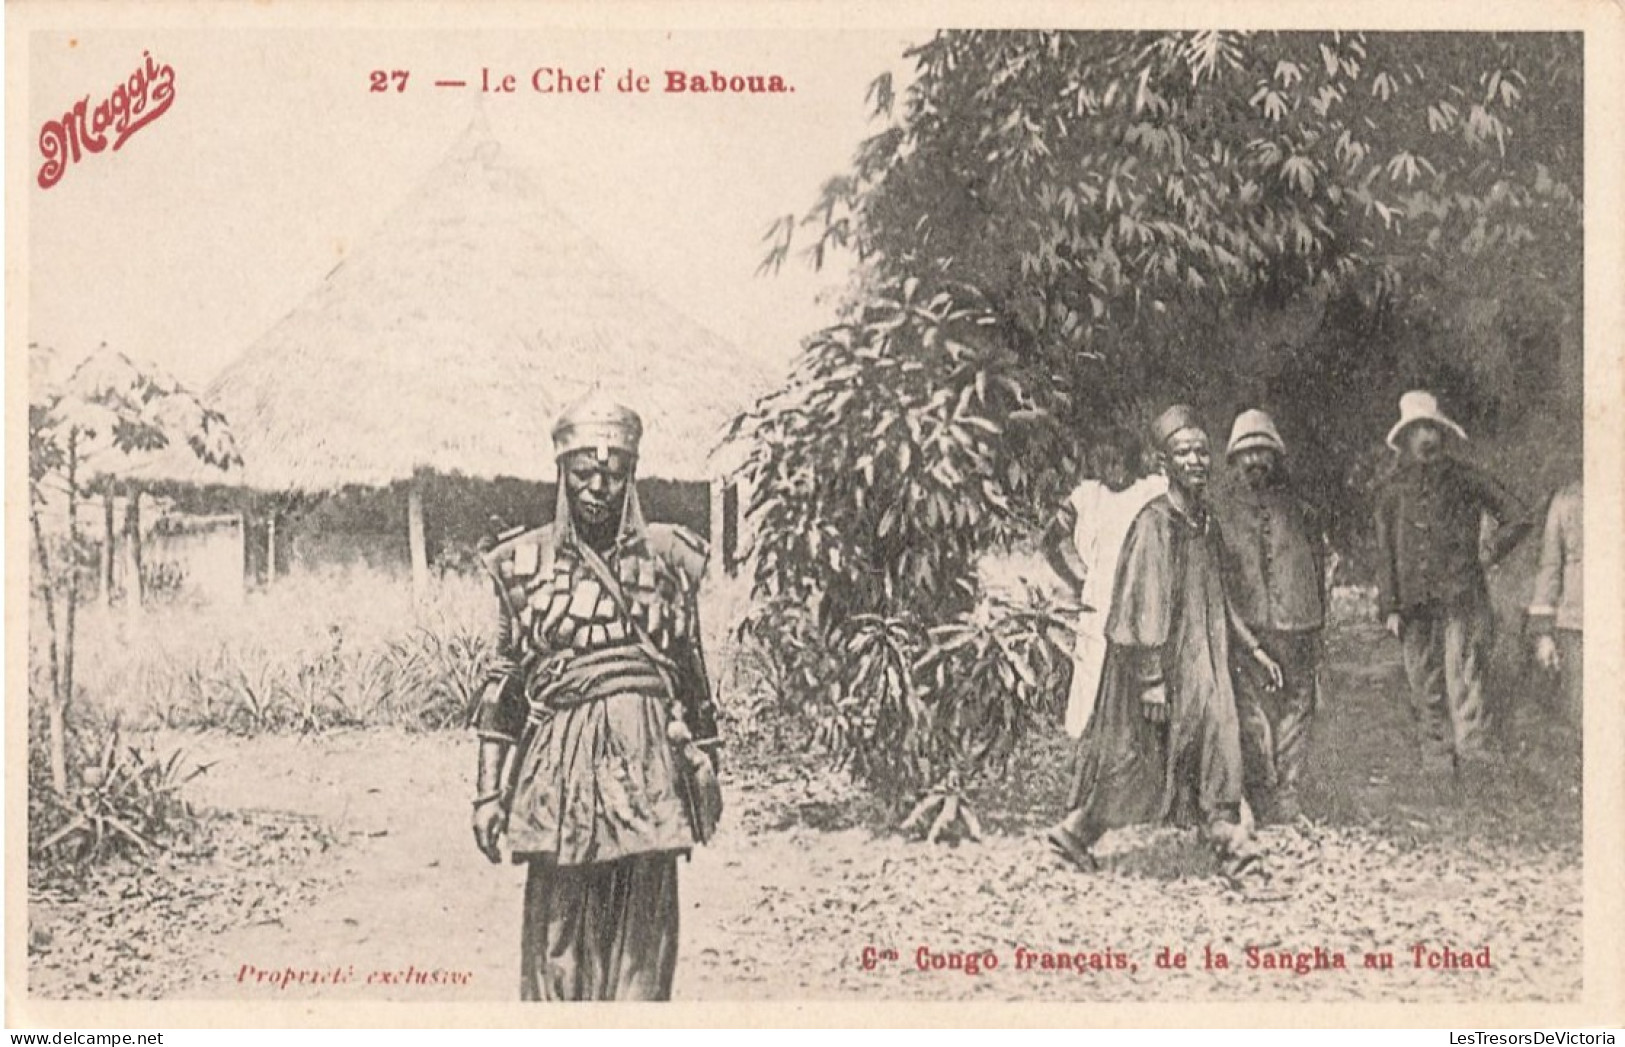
(1236, 867)
(1071, 850)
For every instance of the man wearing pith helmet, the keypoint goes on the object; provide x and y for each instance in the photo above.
(1274, 556)
(1431, 587)
(596, 726)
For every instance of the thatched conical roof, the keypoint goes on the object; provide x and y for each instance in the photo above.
(452, 338)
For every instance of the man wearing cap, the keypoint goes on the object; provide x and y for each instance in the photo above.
(1274, 555)
(1431, 587)
(1163, 743)
(596, 722)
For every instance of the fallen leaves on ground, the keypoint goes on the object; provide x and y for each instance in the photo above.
(127, 931)
(806, 875)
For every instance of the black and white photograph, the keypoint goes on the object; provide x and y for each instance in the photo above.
(783, 507)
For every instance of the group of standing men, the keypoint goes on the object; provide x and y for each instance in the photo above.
(1196, 680)
(1197, 671)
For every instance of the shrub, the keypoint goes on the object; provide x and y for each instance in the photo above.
(919, 712)
(121, 802)
(906, 447)
(439, 672)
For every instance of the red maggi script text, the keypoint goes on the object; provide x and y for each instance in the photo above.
(130, 106)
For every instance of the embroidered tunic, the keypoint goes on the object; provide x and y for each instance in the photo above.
(584, 685)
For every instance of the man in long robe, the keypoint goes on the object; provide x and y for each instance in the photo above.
(1557, 612)
(1163, 743)
(597, 704)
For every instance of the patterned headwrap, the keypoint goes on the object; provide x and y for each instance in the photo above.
(1175, 419)
(596, 423)
(599, 424)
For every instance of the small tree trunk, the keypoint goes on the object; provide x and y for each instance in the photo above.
(134, 596)
(240, 591)
(270, 549)
(415, 541)
(59, 718)
(107, 547)
(56, 739)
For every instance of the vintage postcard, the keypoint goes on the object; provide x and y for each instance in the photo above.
(1049, 514)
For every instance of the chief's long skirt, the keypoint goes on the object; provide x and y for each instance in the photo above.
(598, 817)
(600, 931)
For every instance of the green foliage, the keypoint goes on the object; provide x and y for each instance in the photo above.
(424, 680)
(84, 431)
(1059, 230)
(784, 657)
(443, 669)
(876, 724)
(899, 450)
(911, 708)
(1096, 187)
(1137, 210)
(364, 655)
(122, 802)
(937, 708)
(993, 678)
(110, 408)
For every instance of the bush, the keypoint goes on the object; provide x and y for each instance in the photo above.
(908, 444)
(911, 708)
(121, 802)
(782, 656)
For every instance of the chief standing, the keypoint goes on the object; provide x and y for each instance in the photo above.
(595, 707)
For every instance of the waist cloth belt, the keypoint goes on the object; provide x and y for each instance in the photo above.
(596, 675)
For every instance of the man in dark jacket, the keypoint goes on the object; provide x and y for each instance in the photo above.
(1430, 578)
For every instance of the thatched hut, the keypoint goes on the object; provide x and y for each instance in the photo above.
(430, 363)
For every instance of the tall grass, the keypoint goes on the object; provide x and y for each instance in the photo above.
(312, 653)
(320, 651)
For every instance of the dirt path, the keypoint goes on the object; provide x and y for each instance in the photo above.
(784, 905)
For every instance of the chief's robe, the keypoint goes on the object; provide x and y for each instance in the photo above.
(1169, 620)
(595, 806)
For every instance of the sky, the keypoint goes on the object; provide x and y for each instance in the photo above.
(216, 219)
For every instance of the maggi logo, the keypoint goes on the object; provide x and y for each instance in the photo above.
(131, 105)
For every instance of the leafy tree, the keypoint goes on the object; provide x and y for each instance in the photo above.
(1109, 220)
(1091, 183)
(1128, 203)
(894, 456)
(106, 411)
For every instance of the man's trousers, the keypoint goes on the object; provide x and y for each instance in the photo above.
(1447, 656)
(1275, 724)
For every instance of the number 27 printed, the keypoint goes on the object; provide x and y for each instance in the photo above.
(381, 80)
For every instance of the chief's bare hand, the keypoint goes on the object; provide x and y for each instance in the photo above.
(489, 822)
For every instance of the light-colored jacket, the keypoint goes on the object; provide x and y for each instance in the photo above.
(1558, 596)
